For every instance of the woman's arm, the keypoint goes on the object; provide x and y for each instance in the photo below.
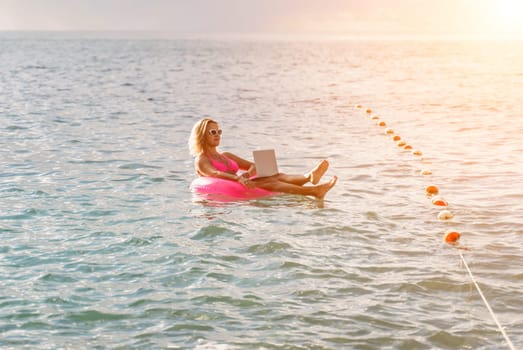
(249, 167)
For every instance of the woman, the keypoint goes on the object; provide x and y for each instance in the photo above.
(203, 143)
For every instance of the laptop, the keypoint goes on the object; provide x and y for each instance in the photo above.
(265, 161)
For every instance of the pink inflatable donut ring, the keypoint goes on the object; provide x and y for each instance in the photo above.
(217, 188)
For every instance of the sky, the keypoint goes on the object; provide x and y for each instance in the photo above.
(498, 18)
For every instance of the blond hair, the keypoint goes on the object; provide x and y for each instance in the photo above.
(197, 138)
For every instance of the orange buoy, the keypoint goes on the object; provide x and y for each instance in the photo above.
(407, 147)
(440, 202)
(425, 172)
(396, 138)
(382, 123)
(432, 190)
(368, 111)
(452, 236)
(417, 153)
(389, 131)
(401, 143)
(358, 106)
(375, 117)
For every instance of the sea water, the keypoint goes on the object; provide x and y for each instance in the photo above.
(102, 245)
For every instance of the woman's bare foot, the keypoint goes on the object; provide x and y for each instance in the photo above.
(315, 174)
(324, 188)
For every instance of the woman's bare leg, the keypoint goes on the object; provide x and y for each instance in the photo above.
(299, 180)
(272, 183)
(313, 176)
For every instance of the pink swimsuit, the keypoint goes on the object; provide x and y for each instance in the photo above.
(231, 167)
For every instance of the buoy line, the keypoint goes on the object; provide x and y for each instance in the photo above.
(451, 236)
(507, 339)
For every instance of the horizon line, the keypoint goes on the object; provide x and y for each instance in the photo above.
(165, 34)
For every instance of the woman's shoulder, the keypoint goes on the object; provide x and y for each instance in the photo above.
(229, 155)
(202, 157)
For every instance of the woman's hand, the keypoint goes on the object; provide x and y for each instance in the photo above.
(252, 170)
(245, 181)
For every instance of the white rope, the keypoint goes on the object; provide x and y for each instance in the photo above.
(511, 346)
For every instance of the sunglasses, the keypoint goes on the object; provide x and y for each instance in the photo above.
(214, 132)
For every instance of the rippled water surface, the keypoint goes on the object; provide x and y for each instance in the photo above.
(102, 245)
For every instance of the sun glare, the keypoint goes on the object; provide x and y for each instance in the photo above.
(507, 16)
